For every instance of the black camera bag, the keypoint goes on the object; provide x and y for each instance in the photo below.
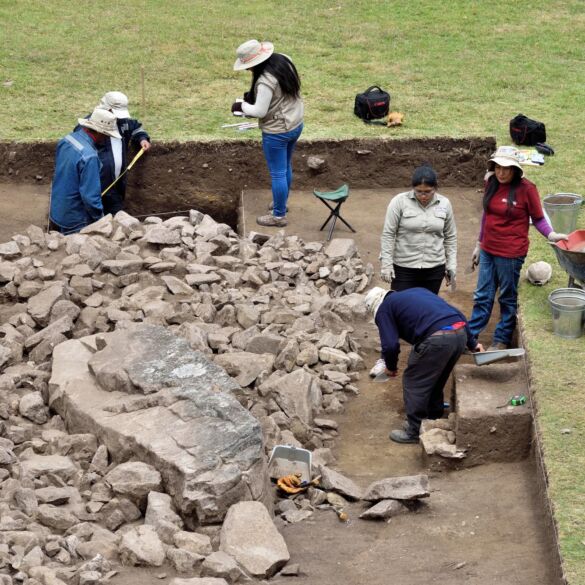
(372, 104)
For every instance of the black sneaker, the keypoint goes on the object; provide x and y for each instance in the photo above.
(402, 436)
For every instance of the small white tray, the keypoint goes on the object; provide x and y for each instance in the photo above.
(487, 357)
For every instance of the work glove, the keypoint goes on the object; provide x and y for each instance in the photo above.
(556, 237)
(450, 277)
(387, 274)
(475, 256)
(237, 107)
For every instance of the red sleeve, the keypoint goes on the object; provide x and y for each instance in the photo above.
(534, 204)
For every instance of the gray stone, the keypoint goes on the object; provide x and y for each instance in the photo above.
(294, 516)
(184, 561)
(134, 479)
(159, 234)
(341, 248)
(297, 394)
(34, 466)
(141, 546)
(333, 480)
(55, 518)
(9, 250)
(193, 542)
(244, 366)
(250, 537)
(32, 406)
(177, 286)
(159, 510)
(39, 307)
(220, 564)
(410, 487)
(264, 343)
(190, 426)
(383, 510)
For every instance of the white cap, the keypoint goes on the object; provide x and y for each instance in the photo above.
(374, 299)
(116, 102)
(101, 121)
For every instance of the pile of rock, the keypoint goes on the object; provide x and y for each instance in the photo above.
(274, 313)
(390, 497)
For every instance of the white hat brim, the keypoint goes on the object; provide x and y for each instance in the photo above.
(507, 162)
(121, 113)
(268, 49)
(86, 123)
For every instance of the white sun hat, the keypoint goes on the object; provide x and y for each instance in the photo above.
(374, 299)
(506, 156)
(102, 121)
(252, 53)
(117, 102)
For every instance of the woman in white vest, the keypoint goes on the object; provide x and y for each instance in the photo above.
(275, 99)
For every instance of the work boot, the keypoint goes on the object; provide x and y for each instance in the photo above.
(271, 207)
(402, 436)
(271, 221)
(497, 346)
(378, 368)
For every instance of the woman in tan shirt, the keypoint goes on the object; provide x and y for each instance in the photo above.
(275, 99)
(419, 240)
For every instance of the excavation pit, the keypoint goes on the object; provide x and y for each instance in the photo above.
(474, 514)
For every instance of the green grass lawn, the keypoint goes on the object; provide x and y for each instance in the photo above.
(457, 68)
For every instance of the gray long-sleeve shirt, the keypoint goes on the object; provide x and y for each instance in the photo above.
(419, 237)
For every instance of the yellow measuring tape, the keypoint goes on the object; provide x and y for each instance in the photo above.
(140, 153)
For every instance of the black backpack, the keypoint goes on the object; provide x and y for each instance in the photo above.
(527, 132)
(372, 104)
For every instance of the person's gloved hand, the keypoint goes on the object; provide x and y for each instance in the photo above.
(475, 256)
(450, 277)
(391, 373)
(556, 237)
(387, 274)
(237, 107)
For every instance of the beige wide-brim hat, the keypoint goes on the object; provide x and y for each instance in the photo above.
(117, 103)
(101, 121)
(252, 53)
(505, 156)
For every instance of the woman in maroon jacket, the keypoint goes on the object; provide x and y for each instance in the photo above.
(509, 203)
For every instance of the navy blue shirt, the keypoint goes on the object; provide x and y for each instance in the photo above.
(413, 315)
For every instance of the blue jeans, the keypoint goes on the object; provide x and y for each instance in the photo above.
(278, 150)
(496, 272)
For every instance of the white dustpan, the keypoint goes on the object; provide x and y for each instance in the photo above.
(487, 357)
(286, 459)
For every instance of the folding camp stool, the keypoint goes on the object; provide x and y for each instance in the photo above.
(338, 197)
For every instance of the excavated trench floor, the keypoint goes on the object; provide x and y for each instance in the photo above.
(487, 524)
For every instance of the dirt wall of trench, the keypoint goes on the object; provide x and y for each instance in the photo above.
(210, 175)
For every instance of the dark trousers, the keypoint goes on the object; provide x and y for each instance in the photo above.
(429, 278)
(430, 364)
(113, 200)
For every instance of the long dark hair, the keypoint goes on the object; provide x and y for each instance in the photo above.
(285, 72)
(493, 185)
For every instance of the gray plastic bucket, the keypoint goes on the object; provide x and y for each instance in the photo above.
(568, 312)
(563, 209)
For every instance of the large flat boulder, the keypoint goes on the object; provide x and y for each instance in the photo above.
(147, 396)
